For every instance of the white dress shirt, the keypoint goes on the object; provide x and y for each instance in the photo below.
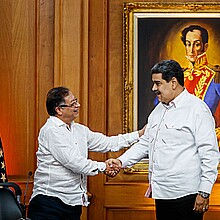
(182, 146)
(62, 159)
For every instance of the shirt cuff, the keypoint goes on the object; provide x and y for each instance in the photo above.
(123, 164)
(136, 135)
(101, 166)
(205, 186)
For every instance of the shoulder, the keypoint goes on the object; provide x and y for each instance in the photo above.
(49, 124)
(196, 104)
(49, 129)
(216, 69)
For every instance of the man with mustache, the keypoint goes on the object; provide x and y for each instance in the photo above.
(181, 143)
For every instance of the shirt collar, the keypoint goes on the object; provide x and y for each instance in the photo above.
(177, 101)
(59, 122)
(170, 105)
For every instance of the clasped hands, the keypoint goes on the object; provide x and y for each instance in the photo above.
(113, 167)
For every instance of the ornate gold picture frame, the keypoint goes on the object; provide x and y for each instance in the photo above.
(152, 32)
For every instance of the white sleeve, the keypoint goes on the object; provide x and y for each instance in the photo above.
(99, 142)
(137, 152)
(69, 156)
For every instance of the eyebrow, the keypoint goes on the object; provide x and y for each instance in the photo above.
(155, 81)
(194, 41)
(75, 99)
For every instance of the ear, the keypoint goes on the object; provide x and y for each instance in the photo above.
(59, 110)
(205, 47)
(174, 83)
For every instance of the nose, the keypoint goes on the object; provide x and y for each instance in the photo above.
(192, 48)
(154, 88)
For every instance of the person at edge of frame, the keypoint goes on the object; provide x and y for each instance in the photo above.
(181, 142)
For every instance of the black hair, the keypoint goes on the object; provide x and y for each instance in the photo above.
(204, 33)
(55, 97)
(169, 69)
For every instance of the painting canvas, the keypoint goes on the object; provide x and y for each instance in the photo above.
(152, 32)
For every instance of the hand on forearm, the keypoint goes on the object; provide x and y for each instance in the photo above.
(141, 131)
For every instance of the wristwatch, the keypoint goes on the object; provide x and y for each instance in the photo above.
(204, 195)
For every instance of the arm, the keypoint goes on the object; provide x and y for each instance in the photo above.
(137, 152)
(66, 152)
(207, 146)
(99, 142)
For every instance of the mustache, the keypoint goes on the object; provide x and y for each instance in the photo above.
(157, 92)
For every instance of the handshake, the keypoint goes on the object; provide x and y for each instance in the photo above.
(113, 167)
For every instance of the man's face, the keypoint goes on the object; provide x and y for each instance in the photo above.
(164, 90)
(70, 111)
(194, 45)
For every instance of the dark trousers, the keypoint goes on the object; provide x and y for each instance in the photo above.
(177, 209)
(43, 207)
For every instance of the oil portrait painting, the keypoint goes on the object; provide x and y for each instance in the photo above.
(189, 34)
